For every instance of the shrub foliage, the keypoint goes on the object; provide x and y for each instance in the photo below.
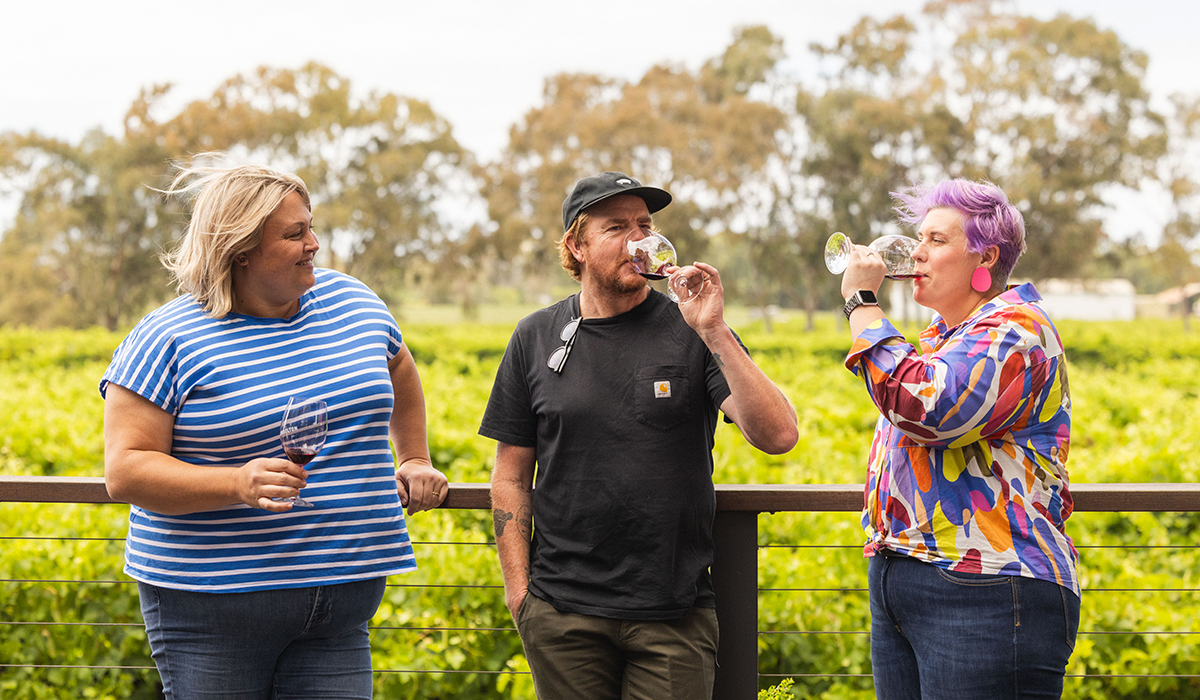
(1136, 392)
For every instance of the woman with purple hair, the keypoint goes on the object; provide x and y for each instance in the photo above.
(972, 578)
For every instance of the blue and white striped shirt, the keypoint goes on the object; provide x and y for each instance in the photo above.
(227, 381)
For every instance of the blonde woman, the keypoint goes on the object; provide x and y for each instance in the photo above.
(245, 594)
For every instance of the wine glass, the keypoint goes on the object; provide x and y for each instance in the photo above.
(652, 254)
(896, 252)
(302, 433)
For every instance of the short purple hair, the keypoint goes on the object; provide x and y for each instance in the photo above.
(988, 218)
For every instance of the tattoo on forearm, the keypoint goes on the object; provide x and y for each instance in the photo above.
(525, 521)
(720, 362)
(500, 518)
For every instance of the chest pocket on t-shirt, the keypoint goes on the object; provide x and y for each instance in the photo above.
(660, 396)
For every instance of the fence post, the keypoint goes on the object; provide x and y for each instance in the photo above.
(735, 581)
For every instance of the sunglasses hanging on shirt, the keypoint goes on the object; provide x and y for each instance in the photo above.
(558, 358)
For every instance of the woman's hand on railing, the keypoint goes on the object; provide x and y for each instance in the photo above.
(420, 485)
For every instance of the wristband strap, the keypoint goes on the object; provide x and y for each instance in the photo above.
(863, 297)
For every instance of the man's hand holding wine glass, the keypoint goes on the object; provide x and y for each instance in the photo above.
(702, 298)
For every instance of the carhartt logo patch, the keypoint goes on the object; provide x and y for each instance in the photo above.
(624, 181)
(662, 390)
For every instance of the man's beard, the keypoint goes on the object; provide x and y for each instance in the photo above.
(614, 283)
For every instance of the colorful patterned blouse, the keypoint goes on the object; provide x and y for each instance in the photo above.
(967, 469)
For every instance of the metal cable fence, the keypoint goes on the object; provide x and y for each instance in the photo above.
(68, 593)
(13, 590)
(1162, 590)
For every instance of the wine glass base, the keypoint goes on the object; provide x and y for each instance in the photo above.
(686, 284)
(837, 252)
(296, 501)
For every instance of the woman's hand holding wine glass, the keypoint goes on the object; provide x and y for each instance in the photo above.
(259, 483)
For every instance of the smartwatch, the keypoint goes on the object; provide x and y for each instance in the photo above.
(863, 297)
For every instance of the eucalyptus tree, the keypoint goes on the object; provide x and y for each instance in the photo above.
(385, 173)
(871, 129)
(697, 134)
(1057, 115)
(384, 170)
(1053, 111)
(1179, 247)
(82, 249)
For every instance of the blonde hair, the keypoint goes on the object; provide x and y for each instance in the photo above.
(230, 205)
(578, 231)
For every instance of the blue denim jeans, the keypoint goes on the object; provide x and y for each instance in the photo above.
(286, 643)
(941, 634)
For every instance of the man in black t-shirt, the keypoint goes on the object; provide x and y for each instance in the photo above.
(613, 395)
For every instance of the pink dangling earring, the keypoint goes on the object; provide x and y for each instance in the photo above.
(981, 279)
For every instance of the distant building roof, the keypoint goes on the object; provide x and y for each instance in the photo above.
(1100, 287)
(1084, 300)
(1089, 299)
(1177, 295)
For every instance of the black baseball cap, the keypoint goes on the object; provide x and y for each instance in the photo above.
(592, 189)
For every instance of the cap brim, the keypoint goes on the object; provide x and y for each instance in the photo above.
(656, 199)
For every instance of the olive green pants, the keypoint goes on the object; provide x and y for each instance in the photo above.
(597, 658)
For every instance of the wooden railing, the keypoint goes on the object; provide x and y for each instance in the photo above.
(758, 498)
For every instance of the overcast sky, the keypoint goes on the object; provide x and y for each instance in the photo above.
(69, 67)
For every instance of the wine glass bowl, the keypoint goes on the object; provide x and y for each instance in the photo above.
(895, 251)
(651, 255)
(302, 434)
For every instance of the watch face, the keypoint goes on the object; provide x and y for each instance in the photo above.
(867, 296)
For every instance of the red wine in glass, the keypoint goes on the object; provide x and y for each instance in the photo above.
(895, 251)
(651, 254)
(302, 433)
(301, 457)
